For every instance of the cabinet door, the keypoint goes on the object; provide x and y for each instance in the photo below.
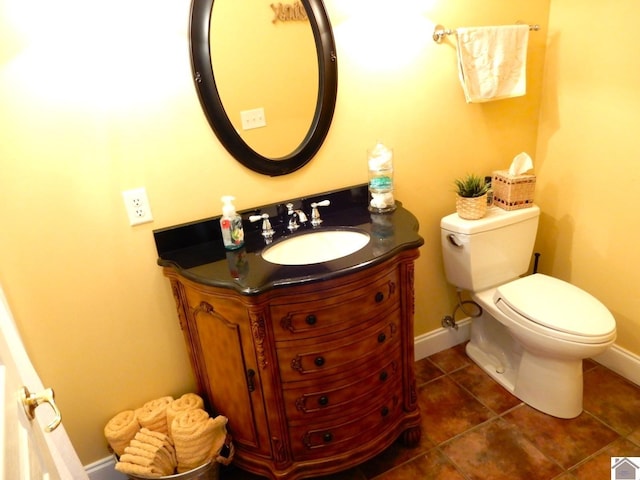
(230, 367)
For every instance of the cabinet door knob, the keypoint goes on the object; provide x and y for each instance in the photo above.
(319, 361)
(311, 319)
(381, 338)
(379, 297)
(323, 400)
(384, 411)
(383, 376)
(327, 437)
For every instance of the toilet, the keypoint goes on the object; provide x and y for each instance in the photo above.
(534, 331)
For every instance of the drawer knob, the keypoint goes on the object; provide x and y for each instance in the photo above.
(379, 297)
(311, 319)
(327, 437)
(323, 400)
(319, 361)
(383, 376)
(384, 411)
(381, 338)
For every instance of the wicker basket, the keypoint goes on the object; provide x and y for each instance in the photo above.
(471, 208)
(511, 192)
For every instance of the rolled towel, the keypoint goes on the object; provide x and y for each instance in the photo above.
(197, 438)
(188, 401)
(155, 456)
(133, 469)
(153, 414)
(121, 429)
(148, 440)
(149, 453)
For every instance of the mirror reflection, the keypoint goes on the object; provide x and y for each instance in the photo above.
(249, 68)
(265, 68)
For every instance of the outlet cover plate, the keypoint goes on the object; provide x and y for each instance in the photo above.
(137, 204)
(253, 118)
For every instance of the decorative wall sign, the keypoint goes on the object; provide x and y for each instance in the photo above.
(284, 12)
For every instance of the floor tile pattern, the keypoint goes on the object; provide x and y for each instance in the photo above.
(473, 429)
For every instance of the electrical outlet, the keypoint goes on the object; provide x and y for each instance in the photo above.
(137, 205)
(253, 118)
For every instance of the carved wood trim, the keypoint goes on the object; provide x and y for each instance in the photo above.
(411, 289)
(176, 289)
(393, 328)
(204, 307)
(287, 323)
(306, 440)
(259, 333)
(413, 394)
(296, 364)
(301, 403)
(392, 287)
(278, 450)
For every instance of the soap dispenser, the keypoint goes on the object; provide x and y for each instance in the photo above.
(231, 225)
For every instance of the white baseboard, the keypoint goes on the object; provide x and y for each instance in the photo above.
(616, 359)
(621, 361)
(441, 339)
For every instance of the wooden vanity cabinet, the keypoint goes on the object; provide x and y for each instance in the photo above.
(314, 378)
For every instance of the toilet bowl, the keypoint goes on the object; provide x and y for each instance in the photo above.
(545, 328)
(534, 331)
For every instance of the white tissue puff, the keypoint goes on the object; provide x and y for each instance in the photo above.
(521, 163)
(382, 200)
(380, 157)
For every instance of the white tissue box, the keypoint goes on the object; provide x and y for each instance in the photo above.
(512, 192)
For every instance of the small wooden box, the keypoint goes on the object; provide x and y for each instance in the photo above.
(512, 192)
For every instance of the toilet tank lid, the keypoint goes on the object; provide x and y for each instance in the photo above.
(558, 305)
(496, 217)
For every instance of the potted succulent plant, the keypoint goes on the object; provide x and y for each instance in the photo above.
(471, 197)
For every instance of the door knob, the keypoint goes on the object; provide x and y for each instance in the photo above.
(30, 401)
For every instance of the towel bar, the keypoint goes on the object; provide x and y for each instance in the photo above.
(439, 32)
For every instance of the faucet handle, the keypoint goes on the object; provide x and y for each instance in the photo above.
(267, 230)
(315, 215)
(289, 208)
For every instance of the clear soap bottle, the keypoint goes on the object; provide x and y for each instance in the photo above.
(231, 225)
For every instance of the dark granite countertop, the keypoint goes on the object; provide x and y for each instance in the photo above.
(196, 250)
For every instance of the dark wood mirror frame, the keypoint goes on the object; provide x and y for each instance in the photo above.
(204, 77)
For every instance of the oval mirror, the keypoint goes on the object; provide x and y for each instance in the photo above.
(292, 85)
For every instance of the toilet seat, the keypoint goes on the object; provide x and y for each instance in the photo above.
(556, 308)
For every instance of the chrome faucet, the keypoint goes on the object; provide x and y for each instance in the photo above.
(267, 230)
(295, 216)
(315, 215)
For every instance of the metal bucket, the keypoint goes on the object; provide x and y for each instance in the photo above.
(208, 471)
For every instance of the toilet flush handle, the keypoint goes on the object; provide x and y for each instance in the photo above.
(453, 240)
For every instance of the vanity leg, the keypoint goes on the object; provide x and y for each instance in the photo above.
(411, 437)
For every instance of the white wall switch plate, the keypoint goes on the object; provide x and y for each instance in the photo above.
(253, 118)
(137, 205)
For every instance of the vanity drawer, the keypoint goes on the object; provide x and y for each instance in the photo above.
(314, 358)
(334, 309)
(346, 394)
(341, 434)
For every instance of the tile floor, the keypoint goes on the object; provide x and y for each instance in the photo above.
(473, 429)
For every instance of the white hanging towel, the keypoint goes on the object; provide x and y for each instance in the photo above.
(492, 62)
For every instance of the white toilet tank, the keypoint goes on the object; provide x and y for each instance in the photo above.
(480, 254)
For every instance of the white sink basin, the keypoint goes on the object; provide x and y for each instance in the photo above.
(315, 247)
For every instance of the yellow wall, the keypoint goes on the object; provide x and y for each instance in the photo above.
(588, 156)
(83, 120)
